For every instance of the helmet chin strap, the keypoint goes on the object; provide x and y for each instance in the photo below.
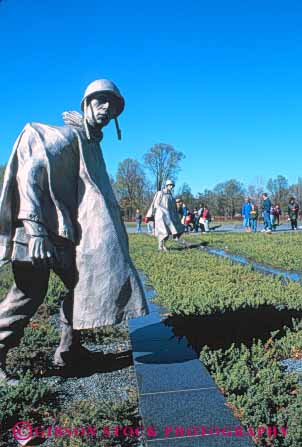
(118, 130)
(85, 120)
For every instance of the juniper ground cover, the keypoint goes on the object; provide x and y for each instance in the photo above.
(280, 249)
(252, 377)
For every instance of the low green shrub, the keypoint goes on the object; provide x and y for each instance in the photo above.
(30, 401)
(193, 282)
(253, 380)
(36, 349)
(104, 334)
(278, 249)
(293, 415)
(257, 389)
(100, 414)
(290, 345)
(6, 280)
(55, 294)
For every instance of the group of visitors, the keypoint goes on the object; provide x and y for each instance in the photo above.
(174, 217)
(194, 220)
(270, 213)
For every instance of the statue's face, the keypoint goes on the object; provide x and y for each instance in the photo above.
(170, 187)
(99, 111)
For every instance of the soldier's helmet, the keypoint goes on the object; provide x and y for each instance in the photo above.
(170, 182)
(104, 87)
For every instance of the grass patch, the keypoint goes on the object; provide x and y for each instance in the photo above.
(278, 249)
(258, 391)
(253, 380)
(192, 282)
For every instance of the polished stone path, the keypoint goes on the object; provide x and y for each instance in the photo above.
(176, 392)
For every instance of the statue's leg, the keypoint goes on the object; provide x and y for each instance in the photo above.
(20, 304)
(69, 348)
(69, 337)
(161, 245)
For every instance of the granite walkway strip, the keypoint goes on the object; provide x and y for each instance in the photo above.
(176, 392)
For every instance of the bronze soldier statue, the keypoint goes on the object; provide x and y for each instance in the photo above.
(166, 217)
(58, 211)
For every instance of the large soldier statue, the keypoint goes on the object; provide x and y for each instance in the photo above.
(166, 217)
(58, 210)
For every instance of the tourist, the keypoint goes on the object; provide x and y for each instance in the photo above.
(278, 213)
(254, 218)
(293, 211)
(179, 207)
(196, 219)
(150, 226)
(184, 213)
(266, 208)
(166, 217)
(245, 212)
(188, 221)
(138, 220)
(200, 210)
(273, 217)
(205, 220)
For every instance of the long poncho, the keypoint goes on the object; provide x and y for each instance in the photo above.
(166, 217)
(57, 177)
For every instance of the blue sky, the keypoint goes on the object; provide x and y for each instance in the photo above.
(219, 80)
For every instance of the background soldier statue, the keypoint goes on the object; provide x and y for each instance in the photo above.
(166, 217)
(58, 210)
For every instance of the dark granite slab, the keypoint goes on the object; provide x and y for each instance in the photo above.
(175, 389)
(168, 365)
(153, 330)
(165, 350)
(146, 320)
(187, 409)
(173, 377)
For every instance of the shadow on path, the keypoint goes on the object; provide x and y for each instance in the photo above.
(96, 363)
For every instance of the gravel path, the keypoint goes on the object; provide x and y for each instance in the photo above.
(109, 377)
(105, 380)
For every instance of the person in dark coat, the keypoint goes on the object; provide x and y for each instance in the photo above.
(266, 210)
(293, 212)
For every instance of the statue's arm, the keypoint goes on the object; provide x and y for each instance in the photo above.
(32, 181)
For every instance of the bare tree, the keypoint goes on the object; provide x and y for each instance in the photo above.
(279, 190)
(185, 193)
(130, 185)
(296, 190)
(162, 160)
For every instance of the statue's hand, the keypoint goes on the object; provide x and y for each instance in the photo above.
(41, 250)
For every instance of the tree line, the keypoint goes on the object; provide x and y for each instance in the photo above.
(135, 184)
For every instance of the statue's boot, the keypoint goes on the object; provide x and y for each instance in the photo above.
(161, 246)
(5, 378)
(70, 349)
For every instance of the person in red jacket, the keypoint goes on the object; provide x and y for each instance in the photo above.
(205, 219)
